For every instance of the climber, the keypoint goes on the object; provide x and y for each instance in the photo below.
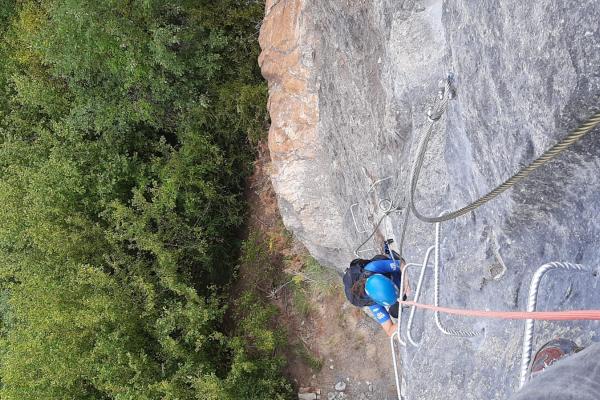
(374, 283)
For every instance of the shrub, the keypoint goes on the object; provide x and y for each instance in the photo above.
(125, 132)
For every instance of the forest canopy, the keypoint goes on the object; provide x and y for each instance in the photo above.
(126, 136)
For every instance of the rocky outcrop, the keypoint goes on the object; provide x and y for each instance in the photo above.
(349, 85)
(287, 64)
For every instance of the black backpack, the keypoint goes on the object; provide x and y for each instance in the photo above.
(353, 273)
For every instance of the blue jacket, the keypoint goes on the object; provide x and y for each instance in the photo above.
(380, 267)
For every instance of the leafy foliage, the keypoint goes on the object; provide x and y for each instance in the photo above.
(126, 131)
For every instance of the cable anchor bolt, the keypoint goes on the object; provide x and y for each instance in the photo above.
(449, 82)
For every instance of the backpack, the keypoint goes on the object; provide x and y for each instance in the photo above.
(355, 272)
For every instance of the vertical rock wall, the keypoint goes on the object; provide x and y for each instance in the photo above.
(287, 61)
(349, 85)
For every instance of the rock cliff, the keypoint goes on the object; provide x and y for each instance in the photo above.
(349, 84)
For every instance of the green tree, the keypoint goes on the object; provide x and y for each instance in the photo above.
(126, 133)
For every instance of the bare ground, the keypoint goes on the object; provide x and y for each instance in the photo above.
(330, 341)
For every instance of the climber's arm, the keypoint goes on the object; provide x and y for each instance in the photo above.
(383, 317)
(389, 327)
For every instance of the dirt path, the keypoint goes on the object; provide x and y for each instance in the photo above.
(330, 341)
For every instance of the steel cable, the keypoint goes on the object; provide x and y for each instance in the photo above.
(436, 293)
(551, 153)
(434, 113)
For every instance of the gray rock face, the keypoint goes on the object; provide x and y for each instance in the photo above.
(526, 74)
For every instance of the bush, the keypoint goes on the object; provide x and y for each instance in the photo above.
(257, 341)
(126, 132)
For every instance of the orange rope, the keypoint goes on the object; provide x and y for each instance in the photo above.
(587, 315)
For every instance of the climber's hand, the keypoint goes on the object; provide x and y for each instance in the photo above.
(389, 327)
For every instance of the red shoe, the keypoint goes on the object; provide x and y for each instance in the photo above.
(550, 353)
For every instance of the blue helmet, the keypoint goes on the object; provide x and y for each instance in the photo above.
(381, 290)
